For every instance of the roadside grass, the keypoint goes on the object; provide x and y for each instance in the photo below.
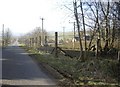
(21, 45)
(91, 72)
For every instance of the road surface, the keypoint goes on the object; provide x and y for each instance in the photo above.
(19, 69)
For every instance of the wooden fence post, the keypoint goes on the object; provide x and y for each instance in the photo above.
(97, 47)
(39, 40)
(46, 44)
(29, 42)
(56, 44)
(119, 56)
(45, 40)
(36, 41)
(32, 42)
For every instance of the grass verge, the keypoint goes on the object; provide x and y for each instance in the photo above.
(91, 72)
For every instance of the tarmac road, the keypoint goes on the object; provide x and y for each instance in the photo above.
(19, 69)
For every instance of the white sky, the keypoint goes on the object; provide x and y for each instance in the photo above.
(22, 16)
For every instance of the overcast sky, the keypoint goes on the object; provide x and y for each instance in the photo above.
(22, 16)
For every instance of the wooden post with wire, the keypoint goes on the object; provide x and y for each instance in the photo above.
(39, 41)
(46, 44)
(119, 56)
(42, 35)
(29, 42)
(56, 44)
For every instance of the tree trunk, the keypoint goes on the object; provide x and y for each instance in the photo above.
(78, 26)
(83, 26)
(106, 14)
(113, 34)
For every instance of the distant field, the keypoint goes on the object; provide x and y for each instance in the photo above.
(68, 44)
(67, 35)
(76, 46)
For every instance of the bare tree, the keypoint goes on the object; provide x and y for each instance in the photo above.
(83, 21)
(33, 39)
(78, 26)
(105, 9)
